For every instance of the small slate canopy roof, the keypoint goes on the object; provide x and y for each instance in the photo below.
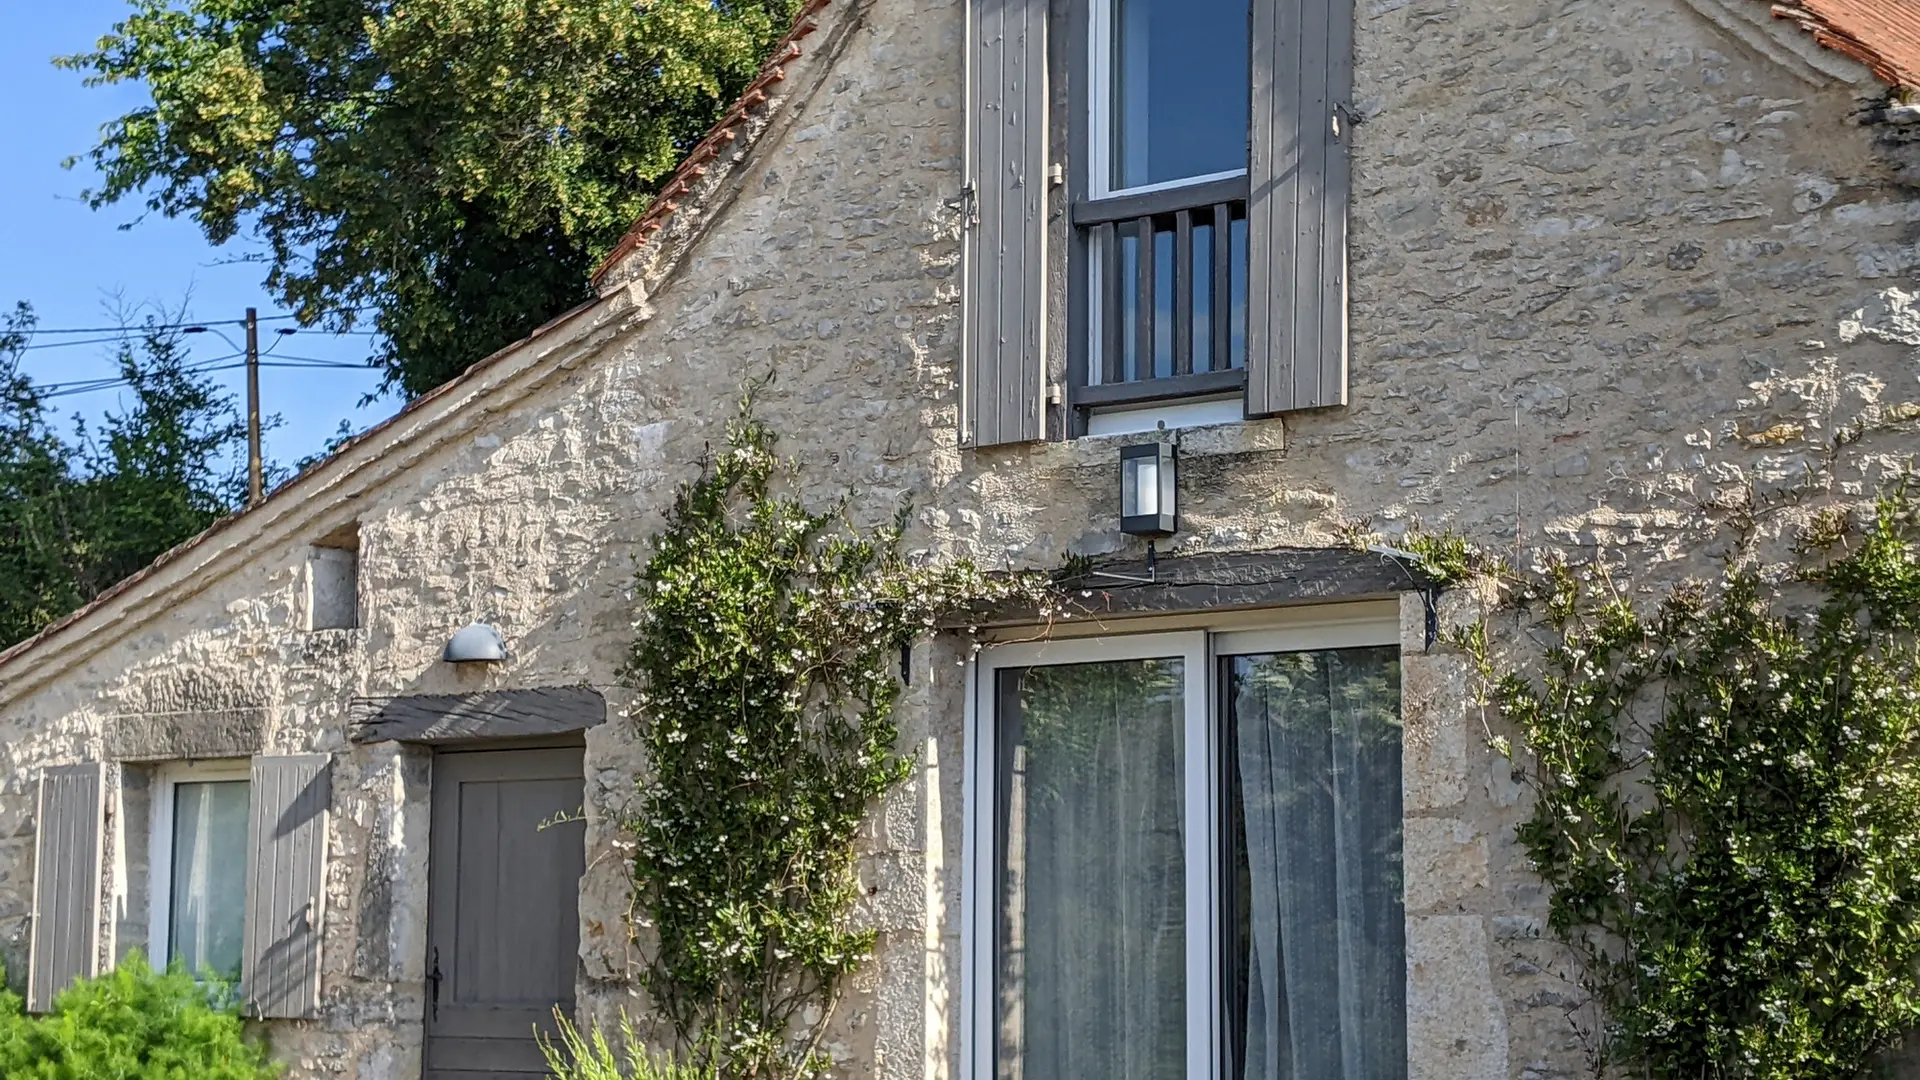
(1882, 34)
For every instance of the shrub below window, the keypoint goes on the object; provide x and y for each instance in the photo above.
(132, 1023)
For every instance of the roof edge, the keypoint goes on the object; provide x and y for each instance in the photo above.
(737, 131)
(430, 420)
(353, 470)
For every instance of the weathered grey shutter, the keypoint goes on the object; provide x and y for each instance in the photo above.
(1003, 297)
(66, 881)
(286, 886)
(1297, 213)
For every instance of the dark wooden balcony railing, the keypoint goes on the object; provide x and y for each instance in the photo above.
(1167, 293)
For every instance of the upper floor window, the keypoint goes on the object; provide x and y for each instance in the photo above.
(1169, 92)
(1208, 172)
(1162, 231)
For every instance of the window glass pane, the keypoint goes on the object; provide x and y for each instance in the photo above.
(1179, 71)
(207, 902)
(1316, 964)
(1091, 927)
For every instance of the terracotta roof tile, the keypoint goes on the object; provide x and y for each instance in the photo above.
(1882, 34)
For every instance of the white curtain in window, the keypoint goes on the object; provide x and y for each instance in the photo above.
(1091, 935)
(207, 902)
(1322, 964)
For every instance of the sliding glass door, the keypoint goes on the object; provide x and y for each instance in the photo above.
(1189, 862)
(1315, 935)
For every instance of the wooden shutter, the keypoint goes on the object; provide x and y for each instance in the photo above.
(1003, 297)
(1302, 69)
(66, 881)
(286, 886)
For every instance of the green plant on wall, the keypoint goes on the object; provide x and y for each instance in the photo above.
(766, 662)
(1728, 806)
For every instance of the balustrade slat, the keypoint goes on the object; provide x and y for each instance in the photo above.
(1183, 293)
(1143, 315)
(1106, 240)
(1222, 302)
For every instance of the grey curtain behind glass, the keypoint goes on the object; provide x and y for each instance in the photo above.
(1323, 966)
(1091, 938)
(207, 907)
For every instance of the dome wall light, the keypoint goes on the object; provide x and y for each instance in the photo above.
(475, 643)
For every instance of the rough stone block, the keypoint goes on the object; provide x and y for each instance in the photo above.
(1446, 863)
(1456, 1027)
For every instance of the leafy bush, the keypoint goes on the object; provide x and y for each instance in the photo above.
(591, 1057)
(1728, 811)
(132, 1023)
(767, 658)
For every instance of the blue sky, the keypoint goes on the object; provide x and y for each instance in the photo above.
(71, 262)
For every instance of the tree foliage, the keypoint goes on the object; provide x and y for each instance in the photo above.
(767, 663)
(80, 512)
(1728, 811)
(457, 166)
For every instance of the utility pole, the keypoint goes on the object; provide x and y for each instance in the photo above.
(255, 482)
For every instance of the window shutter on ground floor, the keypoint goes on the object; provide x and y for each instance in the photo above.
(286, 886)
(1300, 180)
(66, 881)
(1003, 359)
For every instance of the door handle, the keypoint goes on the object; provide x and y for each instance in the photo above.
(433, 984)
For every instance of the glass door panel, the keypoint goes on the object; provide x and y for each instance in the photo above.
(1315, 934)
(1091, 917)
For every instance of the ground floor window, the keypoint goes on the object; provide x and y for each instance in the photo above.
(199, 867)
(1188, 858)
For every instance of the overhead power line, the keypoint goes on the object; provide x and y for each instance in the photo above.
(197, 367)
(142, 328)
(195, 328)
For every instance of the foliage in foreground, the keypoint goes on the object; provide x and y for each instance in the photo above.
(79, 513)
(458, 166)
(1728, 812)
(132, 1023)
(579, 1056)
(767, 660)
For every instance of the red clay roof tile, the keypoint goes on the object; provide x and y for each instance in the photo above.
(1882, 34)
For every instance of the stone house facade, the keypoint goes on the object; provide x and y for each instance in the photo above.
(1606, 266)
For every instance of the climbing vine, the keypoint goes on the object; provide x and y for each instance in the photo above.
(1728, 804)
(767, 659)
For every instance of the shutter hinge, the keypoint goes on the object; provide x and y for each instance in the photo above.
(968, 203)
(1354, 116)
(1057, 174)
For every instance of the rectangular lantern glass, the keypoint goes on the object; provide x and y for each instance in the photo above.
(1147, 490)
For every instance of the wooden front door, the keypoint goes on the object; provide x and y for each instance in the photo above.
(503, 925)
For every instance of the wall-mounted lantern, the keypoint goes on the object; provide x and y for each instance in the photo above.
(475, 643)
(1148, 492)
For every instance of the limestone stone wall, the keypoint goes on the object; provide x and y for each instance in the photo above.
(1609, 266)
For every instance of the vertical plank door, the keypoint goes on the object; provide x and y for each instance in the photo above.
(504, 908)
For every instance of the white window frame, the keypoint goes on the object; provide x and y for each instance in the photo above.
(1100, 115)
(160, 840)
(1301, 629)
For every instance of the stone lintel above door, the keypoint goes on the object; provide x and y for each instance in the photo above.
(493, 714)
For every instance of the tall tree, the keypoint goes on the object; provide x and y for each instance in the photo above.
(79, 513)
(455, 166)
